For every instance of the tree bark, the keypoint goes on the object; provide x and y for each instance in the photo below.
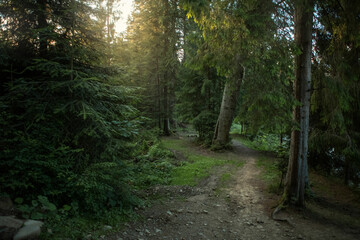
(228, 105)
(166, 80)
(42, 24)
(166, 128)
(297, 173)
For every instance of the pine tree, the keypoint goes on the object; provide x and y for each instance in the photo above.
(199, 88)
(298, 167)
(153, 38)
(335, 99)
(62, 112)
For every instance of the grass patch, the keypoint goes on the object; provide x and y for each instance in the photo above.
(177, 144)
(196, 169)
(86, 227)
(270, 174)
(225, 177)
(198, 165)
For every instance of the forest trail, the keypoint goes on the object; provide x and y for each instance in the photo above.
(237, 209)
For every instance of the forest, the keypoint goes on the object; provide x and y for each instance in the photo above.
(93, 119)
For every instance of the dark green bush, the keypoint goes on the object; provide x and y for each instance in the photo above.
(54, 130)
(103, 186)
(205, 123)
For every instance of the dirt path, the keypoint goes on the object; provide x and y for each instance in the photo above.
(239, 210)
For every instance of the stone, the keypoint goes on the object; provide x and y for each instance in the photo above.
(9, 225)
(33, 222)
(10, 222)
(259, 220)
(107, 227)
(28, 232)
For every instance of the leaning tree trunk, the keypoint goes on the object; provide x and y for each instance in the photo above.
(228, 106)
(297, 173)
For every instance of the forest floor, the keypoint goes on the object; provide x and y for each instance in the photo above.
(239, 208)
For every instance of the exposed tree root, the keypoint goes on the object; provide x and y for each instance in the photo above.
(281, 206)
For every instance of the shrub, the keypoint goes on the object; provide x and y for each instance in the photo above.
(205, 123)
(55, 130)
(103, 186)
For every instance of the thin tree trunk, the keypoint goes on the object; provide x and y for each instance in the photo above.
(42, 24)
(158, 94)
(72, 41)
(165, 114)
(297, 173)
(228, 105)
(166, 110)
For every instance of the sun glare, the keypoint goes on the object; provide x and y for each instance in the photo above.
(126, 7)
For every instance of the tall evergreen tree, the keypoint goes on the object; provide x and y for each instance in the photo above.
(298, 167)
(63, 114)
(199, 88)
(153, 37)
(334, 139)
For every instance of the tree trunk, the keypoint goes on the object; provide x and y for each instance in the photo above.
(228, 105)
(166, 112)
(297, 173)
(167, 25)
(42, 24)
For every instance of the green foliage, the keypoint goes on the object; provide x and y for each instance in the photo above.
(199, 88)
(81, 227)
(102, 186)
(156, 151)
(205, 123)
(67, 125)
(153, 58)
(47, 147)
(265, 142)
(266, 97)
(236, 129)
(335, 140)
(39, 209)
(153, 168)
